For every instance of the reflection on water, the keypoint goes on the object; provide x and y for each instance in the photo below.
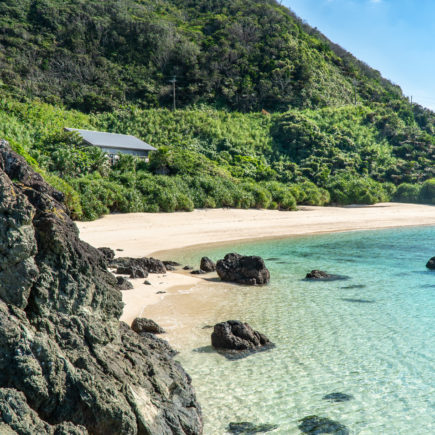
(371, 339)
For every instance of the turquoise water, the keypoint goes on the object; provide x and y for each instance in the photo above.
(380, 351)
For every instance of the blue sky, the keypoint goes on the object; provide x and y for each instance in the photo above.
(396, 37)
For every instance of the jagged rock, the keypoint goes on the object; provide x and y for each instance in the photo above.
(132, 271)
(338, 397)
(431, 264)
(241, 269)
(237, 336)
(323, 276)
(245, 427)
(141, 324)
(171, 263)
(109, 254)
(61, 343)
(198, 272)
(317, 425)
(207, 265)
(123, 283)
(150, 265)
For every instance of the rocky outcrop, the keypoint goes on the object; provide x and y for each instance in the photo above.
(207, 265)
(240, 269)
(108, 253)
(237, 336)
(431, 264)
(150, 265)
(67, 365)
(123, 283)
(142, 324)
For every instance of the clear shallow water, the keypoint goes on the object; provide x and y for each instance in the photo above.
(381, 351)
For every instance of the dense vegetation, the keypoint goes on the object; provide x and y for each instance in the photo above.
(107, 66)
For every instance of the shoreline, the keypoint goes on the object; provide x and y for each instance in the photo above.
(160, 235)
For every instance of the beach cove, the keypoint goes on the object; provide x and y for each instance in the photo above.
(347, 338)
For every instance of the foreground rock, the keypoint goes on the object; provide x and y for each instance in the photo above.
(323, 276)
(431, 264)
(240, 269)
(318, 425)
(207, 265)
(67, 365)
(142, 324)
(233, 338)
(245, 427)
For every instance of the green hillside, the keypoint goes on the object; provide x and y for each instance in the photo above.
(107, 66)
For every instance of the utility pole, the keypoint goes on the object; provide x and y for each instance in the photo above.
(173, 81)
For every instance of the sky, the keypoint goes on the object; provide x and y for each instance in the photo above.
(396, 37)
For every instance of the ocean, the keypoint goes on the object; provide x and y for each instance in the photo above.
(370, 336)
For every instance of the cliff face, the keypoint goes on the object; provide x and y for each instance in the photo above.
(67, 365)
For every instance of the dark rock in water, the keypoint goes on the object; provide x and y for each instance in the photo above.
(245, 427)
(171, 263)
(233, 336)
(431, 264)
(198, 272)
(338, 397)
(109, 254)
(354, 286)
(67, 365)
(160, 293)
(358, 301)
(120, 250)
(207, 327)
(318, 425)
(141, 324)
(150, 265)
(240, 269)
(187, 268)
(272, 259)
(207, 265)
(123, 283)
(319, 275)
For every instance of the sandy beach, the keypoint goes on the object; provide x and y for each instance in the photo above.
(146, 234)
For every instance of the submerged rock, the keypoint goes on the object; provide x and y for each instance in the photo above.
(67, 365)
(318, 425)
(207, 265)
(245, 427)
(123, 283)
(240, 269)
(234, 336)
(431, 264)
(320, 275)
(338, 397)
(142, 324)
(358, 301)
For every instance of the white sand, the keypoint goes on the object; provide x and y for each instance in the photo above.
(142, 234)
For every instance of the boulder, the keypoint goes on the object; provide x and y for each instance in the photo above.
(141, 324)
(132, 271)
(109, 254)
(318, 425)
(67, 364)
(123, 283)
(187, 268)
(235, 335)
(249, 270)
(431, 264)
(207, 265)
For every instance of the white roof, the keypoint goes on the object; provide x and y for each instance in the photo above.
(112, 140)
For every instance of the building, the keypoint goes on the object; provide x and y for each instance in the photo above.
(113, 144)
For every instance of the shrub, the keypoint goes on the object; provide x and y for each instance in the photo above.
(427, 192)
(407, 192)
